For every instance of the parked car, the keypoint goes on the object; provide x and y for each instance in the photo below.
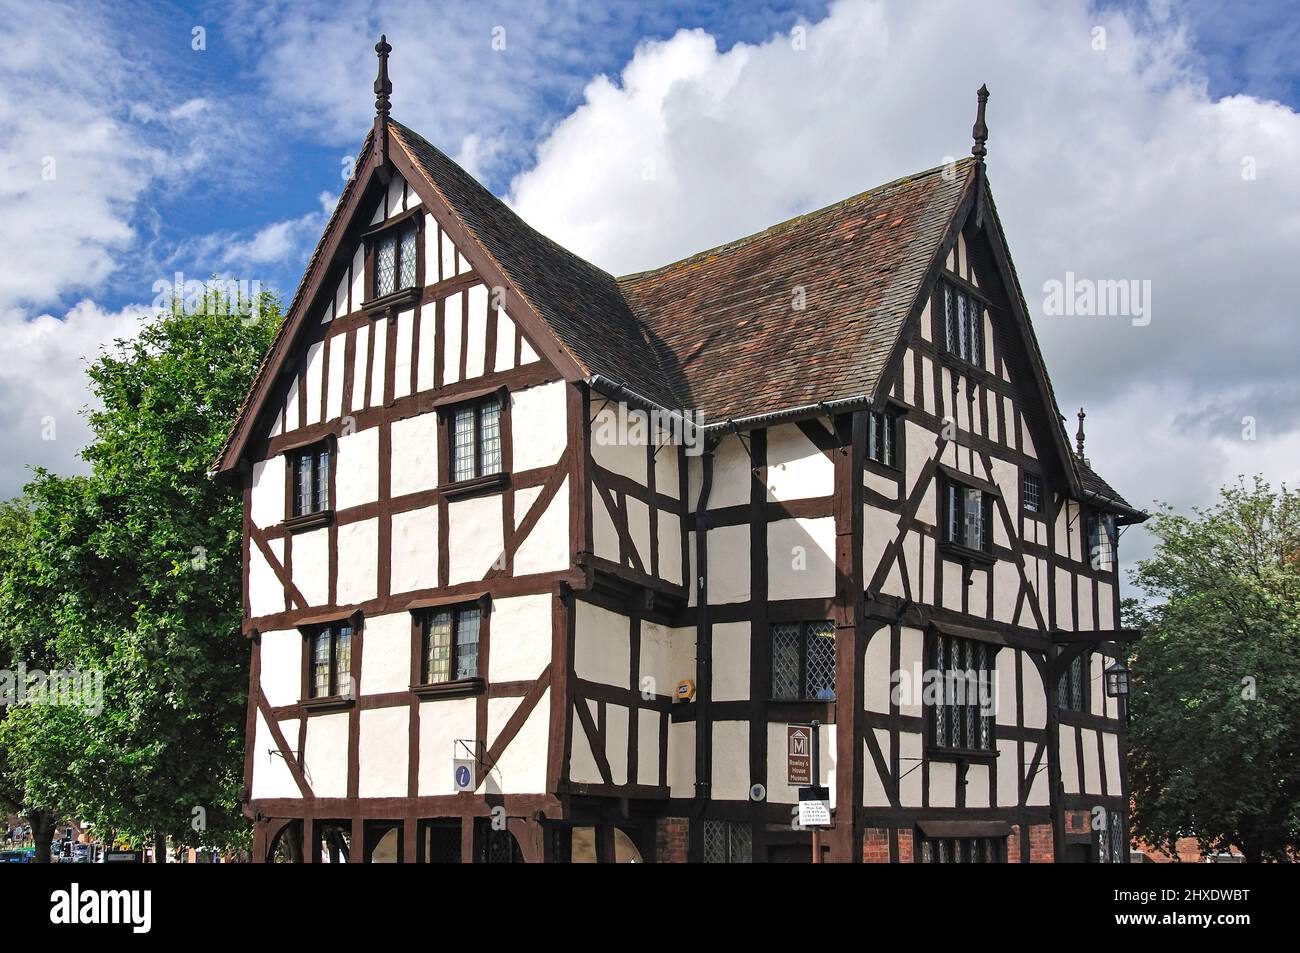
(22, 856)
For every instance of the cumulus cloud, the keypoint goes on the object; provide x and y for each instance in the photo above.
(1107, 156)
(43, 385)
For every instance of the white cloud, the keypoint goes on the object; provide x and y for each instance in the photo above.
(43, 385)
(1111, 163)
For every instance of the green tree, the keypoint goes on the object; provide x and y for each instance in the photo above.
(135, 575)
(1215, 743)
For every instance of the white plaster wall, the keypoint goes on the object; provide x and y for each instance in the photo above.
(979, 782)
(315, 376)
(402, 358)
(442, 723)
(267, 503)
(647, 747)
(876, 673)
(386, 655)
(383, 751)
(380, 363)
(357, 399)
(618, 444)
(452, 315)
(800, 558)
(271, 775)
(616, 738)
(281, 667)
(681, 759)
(356, 478)
(265, 593)
(326, 755)
(476, 342)
(582, 762)
(1005, 671)
(731, 761)
(546, 548)
(540, 425)
(603, 534)
(1110, 750)
(667, 473)
(334, 387)
(358, 573)
(475, 537)
(656, 659)
(909, 753)
(505, 352)
(521, 769)
(732, 476)
(728, 579)
(414, 543)
(638, 525)
(311, 568)
(1008, 774)
(601, 651)
(874, 793)
(911, 658)
(670, 547)
(796, 469)
(1035, 699)
(521, 638)
(731, 661)
(1069, 760)
(414, 454)
(427, 343)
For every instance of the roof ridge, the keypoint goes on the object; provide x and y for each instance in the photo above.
(404, 129)
(796, 220)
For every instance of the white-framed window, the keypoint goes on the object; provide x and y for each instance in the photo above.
(963, 325)
(396, 260)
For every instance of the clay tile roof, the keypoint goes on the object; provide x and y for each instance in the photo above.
(728, 319)
(716, 333)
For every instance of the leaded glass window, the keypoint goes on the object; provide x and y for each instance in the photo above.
(963, 318)
(476, 440)
(960, 698)
(1031, 497)
(396, 261)
(968, 517)
(803, 661)
(728, 842)
(450, 644)
(880, 437)
(331, 660)
(963, 850)
(311, 469)
(1071, 690)
(1101, 540)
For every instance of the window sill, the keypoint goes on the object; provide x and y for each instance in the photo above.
(966, 554)
(453, 689)
(329, 703)
(979, 755)
(394, 299)
(483, 484)
(890, 471)
(298, 524)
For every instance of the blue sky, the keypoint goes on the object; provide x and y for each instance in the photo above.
(1149, 141)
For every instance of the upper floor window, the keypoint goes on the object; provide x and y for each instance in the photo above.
(968, 517)
(963, 317)
(1072, 689)
(963, 850)
(311, 480)
(396, 256)
(960, 708)
(450, 645)
(331, 660)
(1031, 494)
(881, 429)
(1101, 540)
(476, 439)
(803, 661)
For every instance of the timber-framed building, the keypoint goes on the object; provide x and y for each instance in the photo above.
(540, 563)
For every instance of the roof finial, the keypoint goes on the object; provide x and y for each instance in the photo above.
(980, 131)
(1078, 437)
(383, 87)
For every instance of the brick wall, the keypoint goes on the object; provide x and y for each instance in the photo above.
(672, 840)
(875, 845)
